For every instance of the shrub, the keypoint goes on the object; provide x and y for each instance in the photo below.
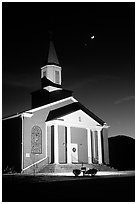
(92, 171)
(9, 170)
(76, 172)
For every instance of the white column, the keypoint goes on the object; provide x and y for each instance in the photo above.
(68, 145)
(99, 148)
(46, 136)
(56, 153)
(89, 145)
(93, 146)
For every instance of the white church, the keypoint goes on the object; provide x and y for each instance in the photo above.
(57, 131)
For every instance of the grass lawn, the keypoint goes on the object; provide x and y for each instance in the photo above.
(37, 188)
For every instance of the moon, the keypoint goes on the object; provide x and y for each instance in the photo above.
(92, 37)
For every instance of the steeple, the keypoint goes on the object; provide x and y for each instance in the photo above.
(51, 89)
(51, 72)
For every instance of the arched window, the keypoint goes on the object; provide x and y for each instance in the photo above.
(36, 140)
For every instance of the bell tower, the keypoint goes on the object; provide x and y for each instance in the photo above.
(51, 80)
(51, 72)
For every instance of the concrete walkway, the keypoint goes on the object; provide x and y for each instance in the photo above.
(99, 173)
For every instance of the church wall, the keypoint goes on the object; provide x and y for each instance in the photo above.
(79, 136)
(29, 156)
(38, 119)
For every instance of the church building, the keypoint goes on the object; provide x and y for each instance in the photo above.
(56, 130)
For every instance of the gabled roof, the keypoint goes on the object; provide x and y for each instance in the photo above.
(30, 111)
(43, 97)
(59, 112)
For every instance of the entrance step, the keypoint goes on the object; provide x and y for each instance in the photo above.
(64, 168)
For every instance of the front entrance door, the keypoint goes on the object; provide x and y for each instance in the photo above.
(74, 153)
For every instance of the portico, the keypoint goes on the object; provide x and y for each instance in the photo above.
(93, 143)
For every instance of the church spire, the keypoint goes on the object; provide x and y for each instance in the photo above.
(51, 72)
(52, 56)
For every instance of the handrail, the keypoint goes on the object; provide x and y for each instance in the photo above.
(35, 164)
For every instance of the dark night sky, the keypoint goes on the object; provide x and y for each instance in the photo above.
(99, 71)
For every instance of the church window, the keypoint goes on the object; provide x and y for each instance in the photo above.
(36, 140)
(57, 81)
(79, 118)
